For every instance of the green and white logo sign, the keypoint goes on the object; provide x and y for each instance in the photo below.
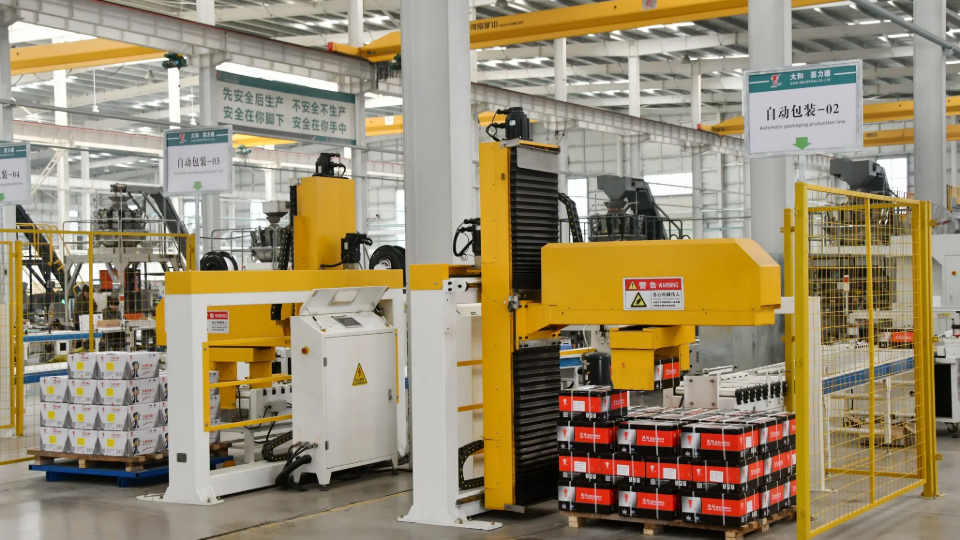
(198, 161)
(15, 180)
(804, 109)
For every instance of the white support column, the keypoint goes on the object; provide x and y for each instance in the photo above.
(929, 124)
(209, 216)
(63, 165)
(358, 166)
(355, 23)
(269, 188)
(86, 196)
(771, 189)
(8, 213)
(633, 86)
(697, 158)
(560, 93)
(438, 146)
(473, 54)
(173, 93)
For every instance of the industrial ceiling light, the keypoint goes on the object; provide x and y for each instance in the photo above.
(501, 4)
(686, 59)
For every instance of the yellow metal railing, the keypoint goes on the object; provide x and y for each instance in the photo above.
(72, 259)
(208, 426)
(863, 360)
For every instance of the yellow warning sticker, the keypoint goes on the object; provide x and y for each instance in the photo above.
(358, 377)
(633, 286)
(638, 302)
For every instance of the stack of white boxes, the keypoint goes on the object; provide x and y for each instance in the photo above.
(111, 404)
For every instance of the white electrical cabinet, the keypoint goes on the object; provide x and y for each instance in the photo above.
(344, 362)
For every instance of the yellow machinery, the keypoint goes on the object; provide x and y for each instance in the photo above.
(322, 212)
(533, 286)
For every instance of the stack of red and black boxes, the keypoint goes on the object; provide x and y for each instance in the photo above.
(697, 465)
(587, 436)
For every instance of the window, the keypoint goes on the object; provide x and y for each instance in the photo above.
(577, 191)
(897, 174)
(670, 184)
(401, 208)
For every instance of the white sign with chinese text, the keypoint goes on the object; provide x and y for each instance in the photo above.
(280, 109)
(15, 173)
(198, 161)
(218, 322)
(804, 110)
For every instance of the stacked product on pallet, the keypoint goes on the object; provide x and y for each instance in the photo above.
(716, 467)
(109, 404)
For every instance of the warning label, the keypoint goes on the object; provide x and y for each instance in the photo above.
(218, 322)
(652, 294)
(358, 377)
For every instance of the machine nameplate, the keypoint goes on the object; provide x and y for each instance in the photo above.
(653, 294)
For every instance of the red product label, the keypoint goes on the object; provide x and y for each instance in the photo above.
(723, 441)
(659, 437)
(595, 435)
(666, 502)
(581, 464)
(585, 404)
(780, 461)
(723, 507)
(754, 470)
(717, 475)
(777, 494)
(671, 370)
(776, 432)
(793, 488)
(669, 471)
(603, 497)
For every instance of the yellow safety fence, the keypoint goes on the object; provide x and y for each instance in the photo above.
(69, 291)
(863, 359)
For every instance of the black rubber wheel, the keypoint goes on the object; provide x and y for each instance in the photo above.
(389, 258)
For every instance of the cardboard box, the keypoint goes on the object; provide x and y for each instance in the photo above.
(592, 403)
(584, 466)
(130, 417)
(214, 378)
(83, 365)
(128, 365)
(649, 503)
(129, 392)
(165, 442)
(215, 407)
(83, 417)
(587, 436)
(719, 441)
(214, 435)
(587, 497)
(131, 443)
(83, 442)
(54, 439)
(166, 413)
(649, 438)
(627, 470)
(54, 414)
(164, 394)
(717, 508)
(83, 391)
(55, 389)
(665, 473)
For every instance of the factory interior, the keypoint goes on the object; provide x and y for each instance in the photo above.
(479, 269)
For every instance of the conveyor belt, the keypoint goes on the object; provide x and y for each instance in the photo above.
(536, 391)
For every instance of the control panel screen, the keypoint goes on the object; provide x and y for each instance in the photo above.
(348, 322)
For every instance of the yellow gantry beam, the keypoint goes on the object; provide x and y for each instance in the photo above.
(77, 54)
(571, 21)
(895, 111)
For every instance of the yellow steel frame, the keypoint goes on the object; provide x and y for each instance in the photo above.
(393, 125)
(923, 356)
(569, 22)
(77, 54)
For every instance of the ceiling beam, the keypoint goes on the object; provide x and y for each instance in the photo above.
(77, 54)
(645, 47)
(129, 93)
(321, 40)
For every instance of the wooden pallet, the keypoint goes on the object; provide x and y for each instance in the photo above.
(130, 463)
(655, 526)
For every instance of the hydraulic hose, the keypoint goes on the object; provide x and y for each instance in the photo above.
(285, 478)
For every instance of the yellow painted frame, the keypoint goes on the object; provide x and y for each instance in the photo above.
(923, 356)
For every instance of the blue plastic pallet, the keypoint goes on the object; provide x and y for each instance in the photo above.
(57, 473)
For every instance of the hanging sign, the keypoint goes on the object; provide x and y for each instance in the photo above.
(15, 174)
(198, 161)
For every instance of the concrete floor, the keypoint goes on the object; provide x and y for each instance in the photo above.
(31, 509)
